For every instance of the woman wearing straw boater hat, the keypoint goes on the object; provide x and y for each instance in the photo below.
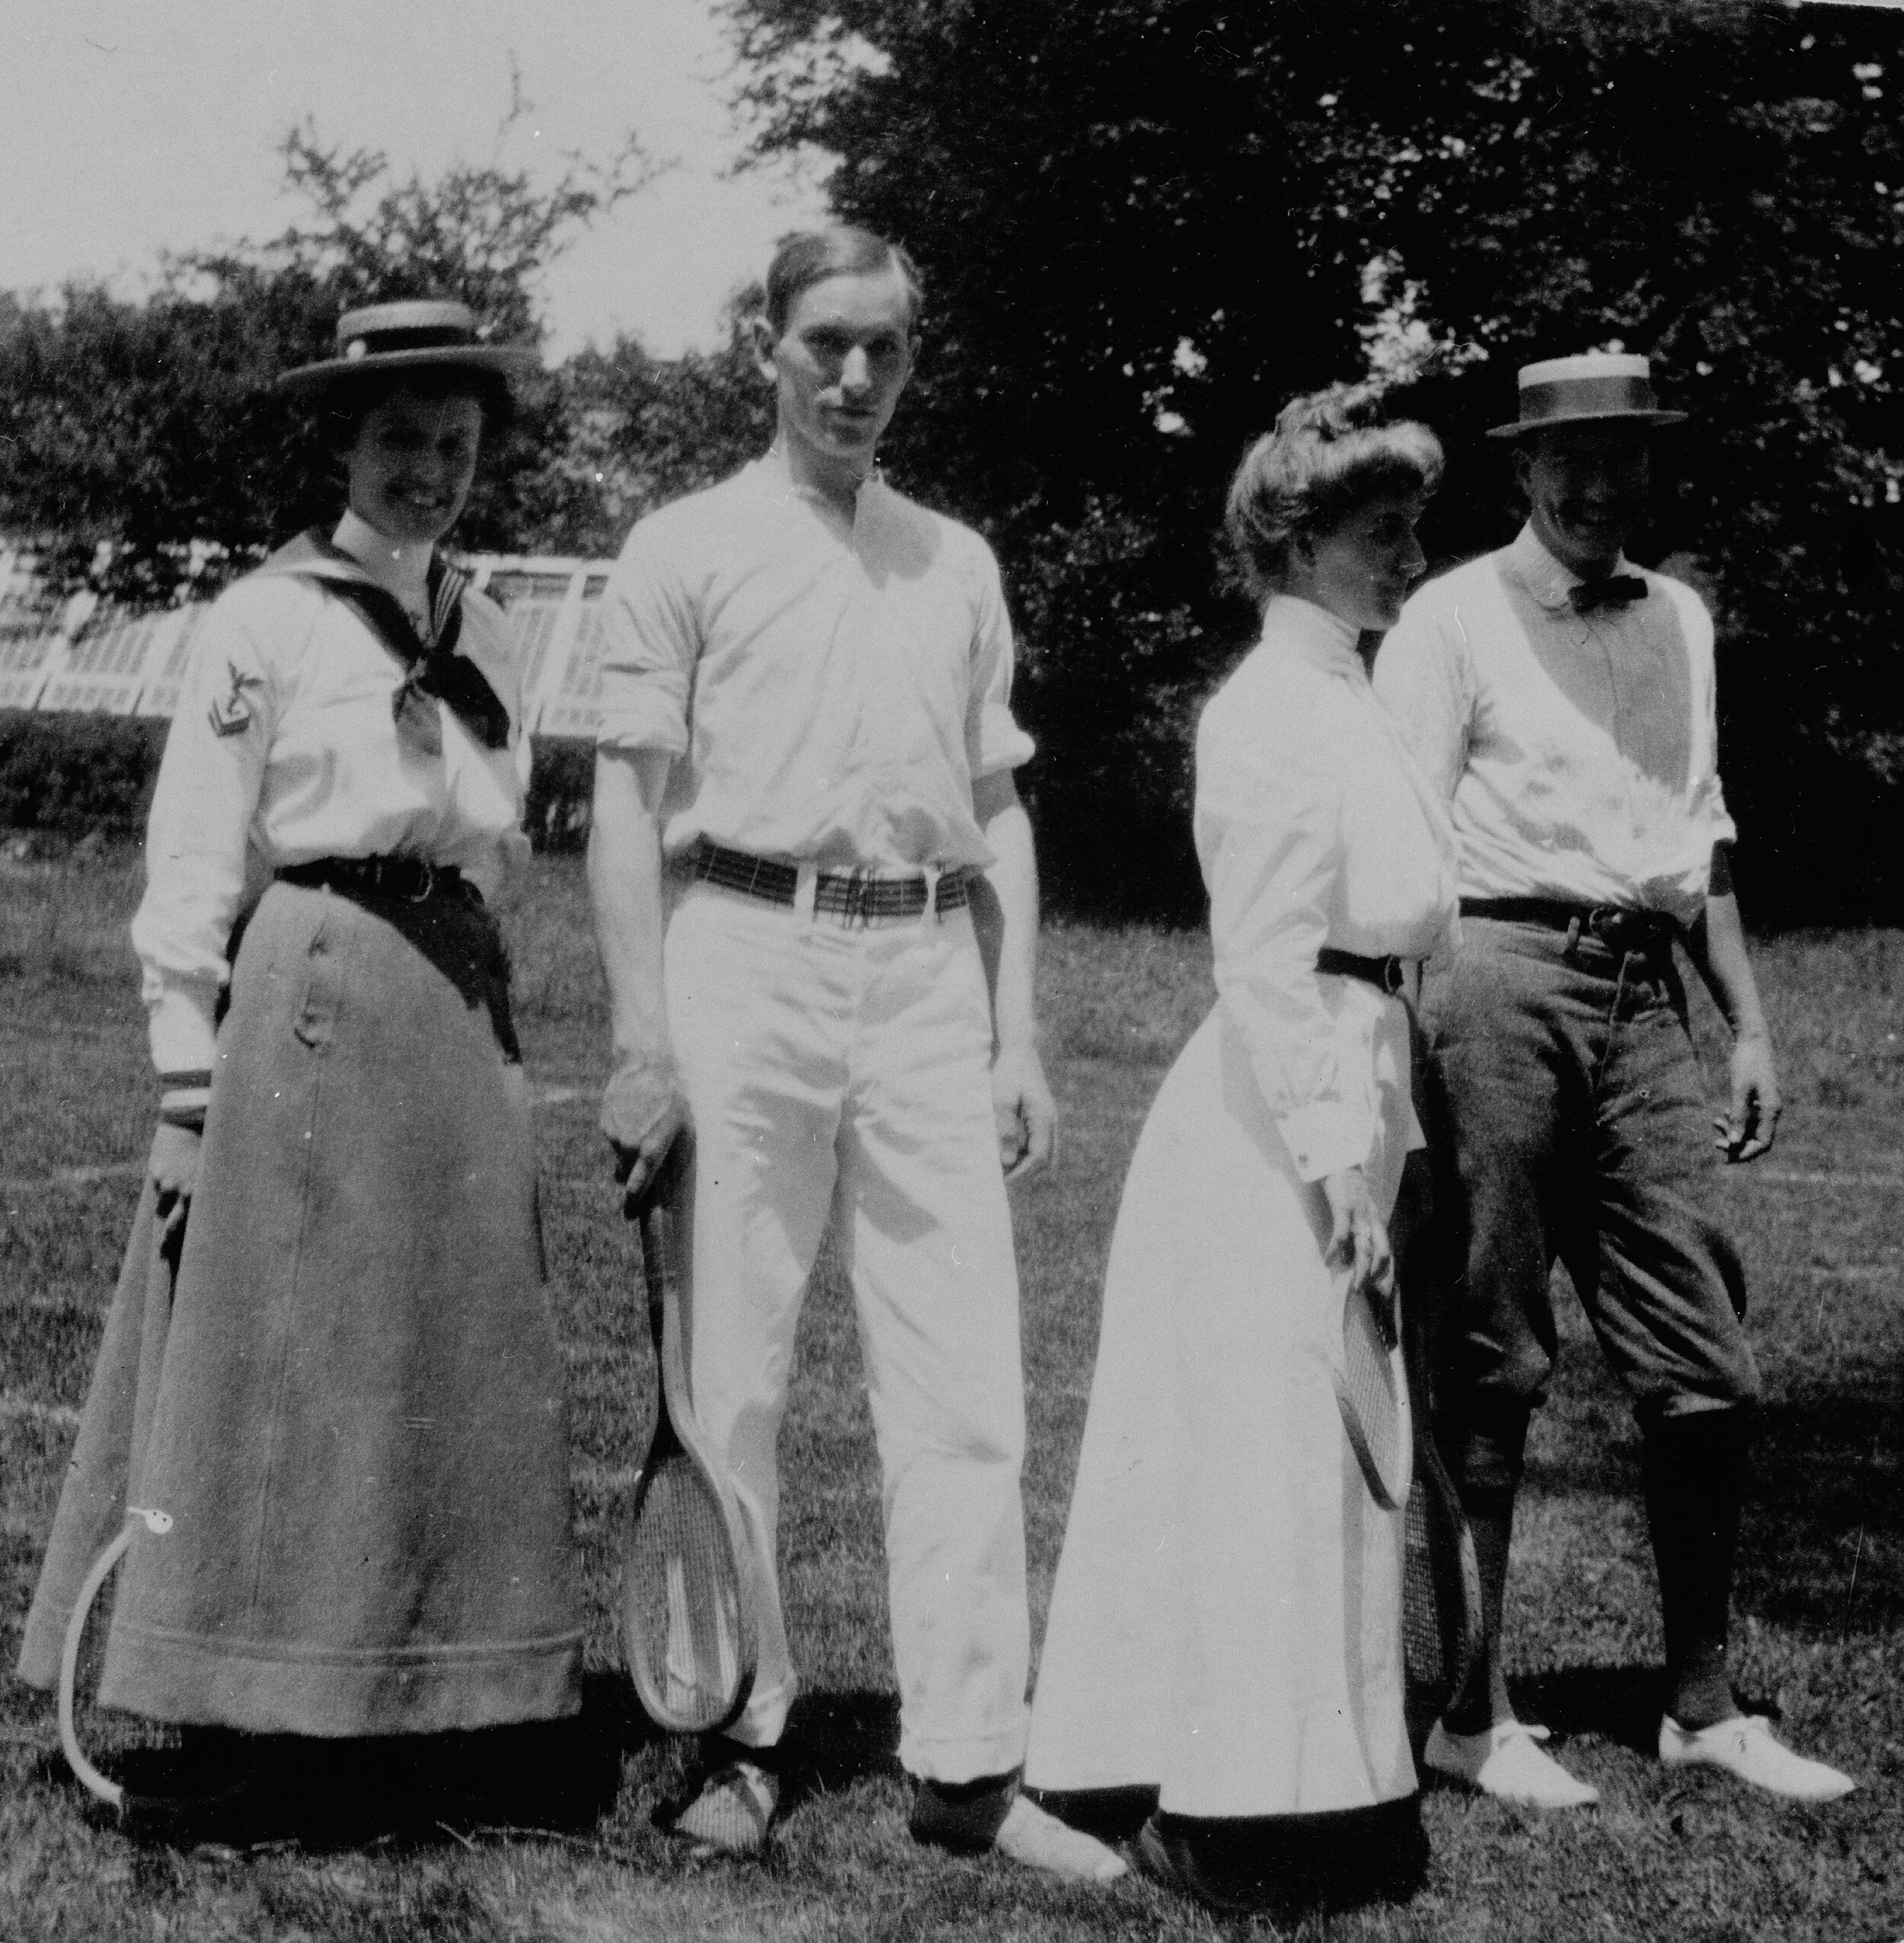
(329, 1381)
(1562, 700)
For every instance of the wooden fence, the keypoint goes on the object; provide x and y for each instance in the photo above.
(89, 656)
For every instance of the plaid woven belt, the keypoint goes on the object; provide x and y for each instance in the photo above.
(851, 896)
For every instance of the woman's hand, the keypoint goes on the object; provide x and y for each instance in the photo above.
(173, 1169)
(1359, 1239)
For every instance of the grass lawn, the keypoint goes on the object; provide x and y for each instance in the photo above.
(1820, 1607)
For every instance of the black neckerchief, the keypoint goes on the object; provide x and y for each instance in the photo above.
(433, 668)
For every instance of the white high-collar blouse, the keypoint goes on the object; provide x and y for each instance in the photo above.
(1314, 826)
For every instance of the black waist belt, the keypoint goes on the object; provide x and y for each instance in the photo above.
(1617, 928)
(850, 895)
(414, 879)
(1385, 974)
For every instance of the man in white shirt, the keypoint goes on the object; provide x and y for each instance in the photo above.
(1562, 700)
(804, 784)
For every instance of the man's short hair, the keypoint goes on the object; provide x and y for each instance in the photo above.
(844, 250)
(1330, 451)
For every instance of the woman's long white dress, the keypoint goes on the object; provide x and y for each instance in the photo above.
(1225, 1624)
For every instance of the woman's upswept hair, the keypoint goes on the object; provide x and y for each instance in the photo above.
(1330, 451)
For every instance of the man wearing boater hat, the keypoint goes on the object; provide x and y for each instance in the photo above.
(1562, 700)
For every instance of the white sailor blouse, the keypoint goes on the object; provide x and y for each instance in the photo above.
(298, 735)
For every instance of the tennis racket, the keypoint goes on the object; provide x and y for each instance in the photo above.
(1371, 1393)
(148, 1782)
(687, 1625)
(1441, 1609)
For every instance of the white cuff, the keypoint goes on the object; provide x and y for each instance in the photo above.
(184, 1039)
(1325, 1136)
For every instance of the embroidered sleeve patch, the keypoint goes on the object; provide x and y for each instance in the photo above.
(232, 715)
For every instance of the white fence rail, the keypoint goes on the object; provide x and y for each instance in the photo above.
(90, 658)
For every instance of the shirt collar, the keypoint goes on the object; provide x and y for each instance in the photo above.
(772, 472)
(1549, 581)
(1325, 640)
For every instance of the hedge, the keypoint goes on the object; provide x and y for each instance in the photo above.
(73, 775)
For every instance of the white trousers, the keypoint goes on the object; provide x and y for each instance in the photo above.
(830, 1069)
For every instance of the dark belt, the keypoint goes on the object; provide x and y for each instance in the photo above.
(1388, 975)
(414, 879)
(850, 895)
(1616, 927)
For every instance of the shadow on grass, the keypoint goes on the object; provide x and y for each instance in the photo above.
(834, 1739)
(1824, 1545)
(1822, 1549)
(1620, 1703)
(244, 1791)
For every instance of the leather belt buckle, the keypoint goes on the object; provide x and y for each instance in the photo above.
(1625, 930)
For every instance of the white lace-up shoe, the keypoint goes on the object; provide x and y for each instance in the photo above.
(1507, 1762)
(732, 1811)
(1029, 1834)
(1745, 1746)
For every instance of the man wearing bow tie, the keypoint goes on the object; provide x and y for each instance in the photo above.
(1563, 701)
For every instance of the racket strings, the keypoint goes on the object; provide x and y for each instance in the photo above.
(1424, 1606)
(682, 1614)
(1371, 1393)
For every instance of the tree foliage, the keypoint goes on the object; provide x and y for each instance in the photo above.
(130, 431)
(644, 430)
(1146, 223)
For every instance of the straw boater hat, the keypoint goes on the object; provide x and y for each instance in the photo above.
(1594, 388)
(406, 337)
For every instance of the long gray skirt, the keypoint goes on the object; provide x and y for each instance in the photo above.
(349, 1400)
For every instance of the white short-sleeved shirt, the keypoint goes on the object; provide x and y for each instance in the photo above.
(284, 748)
(1314, 827)
(1578, 753)
(827, 695)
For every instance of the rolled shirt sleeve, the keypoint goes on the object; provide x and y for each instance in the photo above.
(1708, 795)
(993, 740)
(1270, 828)
(651, 639)
(199, 851)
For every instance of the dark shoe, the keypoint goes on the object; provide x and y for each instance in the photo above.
(1170, 1860)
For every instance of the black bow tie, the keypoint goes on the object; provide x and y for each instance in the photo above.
(1613, 590)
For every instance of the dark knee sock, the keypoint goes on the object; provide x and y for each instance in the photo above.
(1490, 1518)
(1486, 1444)
(1694, 1467)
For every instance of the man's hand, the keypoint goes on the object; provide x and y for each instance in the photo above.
(1027, 1116)
(1359, 1241)
(1749, 1128)
(643, 1114)
(173, 1168)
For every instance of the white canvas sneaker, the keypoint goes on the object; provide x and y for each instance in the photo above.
(1031, 1834)
(1507, 1762)
(1745, 1746)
